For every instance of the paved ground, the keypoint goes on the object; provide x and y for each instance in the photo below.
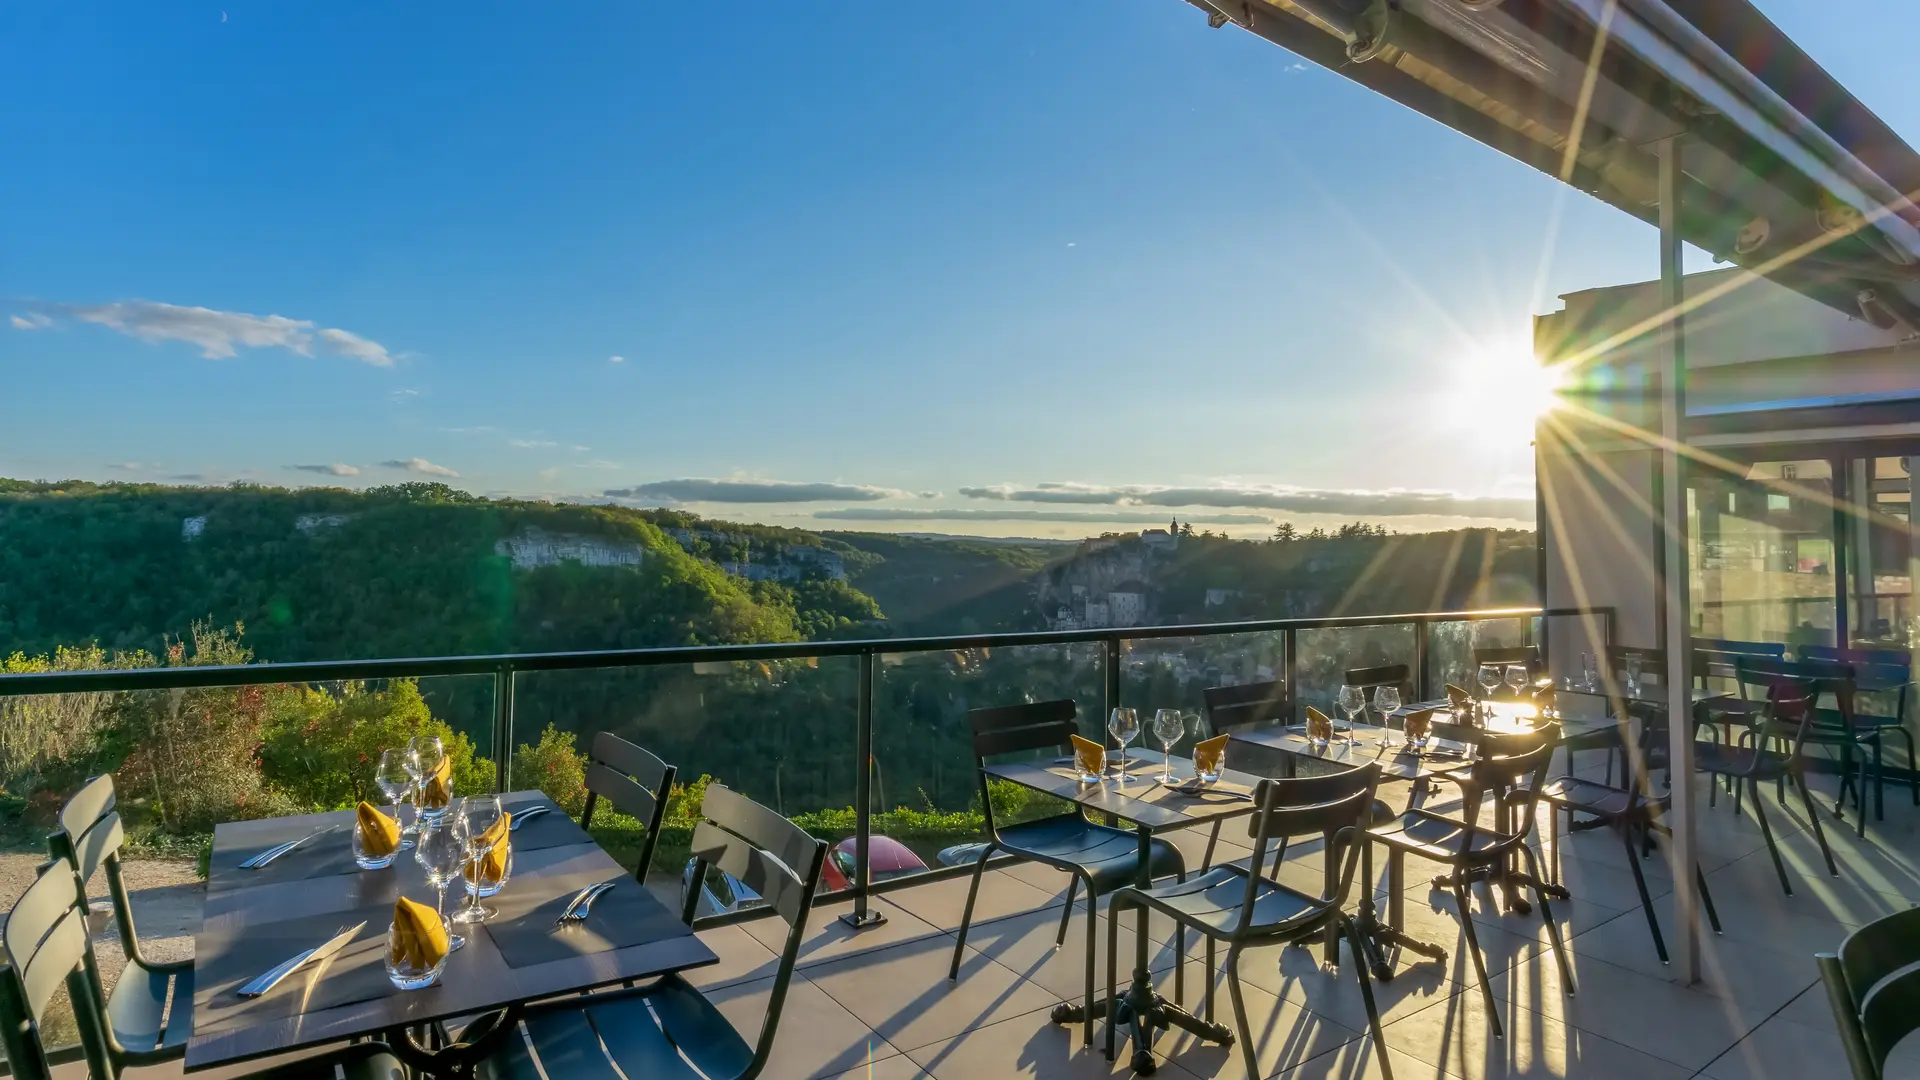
(167, 896)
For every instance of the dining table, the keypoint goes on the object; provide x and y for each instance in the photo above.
(256, 918)
(1150, 807)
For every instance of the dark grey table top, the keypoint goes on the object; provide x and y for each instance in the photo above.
(255, 919)
(1400, 762)
(1150, 805)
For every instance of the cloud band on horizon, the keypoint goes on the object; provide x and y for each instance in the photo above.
(666, 492)
(217, 334)
(1390, 502)
(1118, 517)
(419, 465)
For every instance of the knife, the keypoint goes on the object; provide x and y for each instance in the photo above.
(295, 962)
(275, 852)
(525, 816)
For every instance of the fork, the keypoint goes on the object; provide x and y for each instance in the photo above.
(582, 904)
(272, 853)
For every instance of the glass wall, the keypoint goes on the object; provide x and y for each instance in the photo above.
(1762, 552)
(1883, 553)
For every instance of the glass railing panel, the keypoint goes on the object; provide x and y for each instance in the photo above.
(1176, 672)
(781, 732)
(927, 803)
(1326, 655)
(1450, 647)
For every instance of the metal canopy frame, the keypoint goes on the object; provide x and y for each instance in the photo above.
(1697, 116)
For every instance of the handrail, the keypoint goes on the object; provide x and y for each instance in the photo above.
(308, 671)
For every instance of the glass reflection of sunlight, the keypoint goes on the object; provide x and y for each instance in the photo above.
(1500, 389)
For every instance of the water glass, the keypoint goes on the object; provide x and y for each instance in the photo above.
(442, 852)
(1589, 673)
(366, 860)
(395, 778)
(1633, 676)
(405, 976)
(1386, 699)
(1124, 726)
(479, 813)
(1168, 727)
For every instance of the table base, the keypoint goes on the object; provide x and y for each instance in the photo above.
(455, 1059)
(1140, 1010)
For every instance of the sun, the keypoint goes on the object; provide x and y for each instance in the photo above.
(1500, 390)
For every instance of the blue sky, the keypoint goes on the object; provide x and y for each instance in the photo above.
(862, 268)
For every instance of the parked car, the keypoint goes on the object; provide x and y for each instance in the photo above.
(719, 894)
(886, 857)
(961, 854)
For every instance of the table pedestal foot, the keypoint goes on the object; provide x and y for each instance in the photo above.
(1140, 1010)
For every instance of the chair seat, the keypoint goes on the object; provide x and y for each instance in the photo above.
(1590, 797)
(1864, 723)
(361, 1061)
(138, 1004)
(1111, 857)
(1597, 739)
(667, 1031)
(1211, 903)
(1720, 758)
(1436, 838)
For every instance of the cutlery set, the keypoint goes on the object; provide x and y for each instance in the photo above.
(272, 853)
(299, 960)
(582, 903)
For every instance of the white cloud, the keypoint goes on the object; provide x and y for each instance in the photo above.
(32, 320)
(533, 444)
(667, 492)
(335, 469)
(217, 334)
(616, 359)
(1116, 517)
(419, 465)
(1389, 502)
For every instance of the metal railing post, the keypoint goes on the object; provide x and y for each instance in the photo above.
(1421, 666)
(1290, 645)
(1110, 691)
(503, 728)
(862, 916)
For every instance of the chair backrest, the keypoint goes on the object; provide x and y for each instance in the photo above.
(1846, 1017)
(1792, 689)
(1019, 729)
(1509, 654)
(776, 859)
(1369, 679)
(1874, 670)
(1230, 708)
(635, 782)
(47, 947)
(1336, 806)
(1719, 658)
(1889, 1014)
(88, 839)
(1512, 767)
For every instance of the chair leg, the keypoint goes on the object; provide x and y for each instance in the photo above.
(966, 916)
(1073, 889)
(1766, 831)
(1546, 916)
(1806, 797)
(1093, 907)
(1706, 898)
(1240, 1011)
(1366, 996)
(1206, 995)
(1113, 991)
(1646, 901)
(1206, 861)
(1465, 902)
(1913, 773)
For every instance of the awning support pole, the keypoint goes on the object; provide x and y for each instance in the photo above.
(1676, 606)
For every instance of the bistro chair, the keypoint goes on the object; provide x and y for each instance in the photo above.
(139, 1028)
(1878, 672)
(1246, 907)
(1786, 719)
(635, 782)
(1873, 985)
(47, 947)
(1511, 770)
(1099, 857)
(668, 1030)
(1627, 810)
(1237, 708)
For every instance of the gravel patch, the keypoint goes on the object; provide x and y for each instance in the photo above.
(167, 896)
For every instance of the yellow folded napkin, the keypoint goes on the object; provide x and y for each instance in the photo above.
(438, 791)
(1319, 724)
(1458, 698)
(1090, 756)
(1416, 724)
(493, 866)
(419, 937)
(1210, 755)
(379, 834)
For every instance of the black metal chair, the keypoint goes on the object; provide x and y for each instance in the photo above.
(1246, 907)
(1236, 708)
(1873, 985)
(47, 947)
(1511, 769)
(1626, 810)
(1789, 692)
(668, 1030)
(1876, 672)
(1098, 857)
(140, 1030)
(635, 782)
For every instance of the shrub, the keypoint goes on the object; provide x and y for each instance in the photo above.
(554, 766)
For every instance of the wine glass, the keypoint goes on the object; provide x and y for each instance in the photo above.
(395, 778)
(479, 812)
(428, 754)
(1489, 678)
(1518, 677)
(1168, 727)
(1386, 699)
(1633, 676)
(1124, 726)
(1352, 701)
(442, 851)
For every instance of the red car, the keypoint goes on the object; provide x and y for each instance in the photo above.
(886, 856)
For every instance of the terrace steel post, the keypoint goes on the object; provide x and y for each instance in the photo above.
(1675, 602)
(1110, 689)
(1288, 643)
(1422, 667)
(861, 916)
(503, 728)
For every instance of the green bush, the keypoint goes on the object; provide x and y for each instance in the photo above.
(555, 767)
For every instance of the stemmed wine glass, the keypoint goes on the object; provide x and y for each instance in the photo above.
(395, 778)
(1633, 676)
(1518, 677)
(1124, 726)
(1352, 701)
(1168, 727)
(479, 812)
(442, 851)
(1385, 700)
(427, 754)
